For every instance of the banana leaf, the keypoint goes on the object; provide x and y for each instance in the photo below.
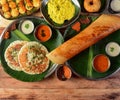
(15, 34)
(81, 64)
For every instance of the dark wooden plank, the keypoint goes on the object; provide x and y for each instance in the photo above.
(60, 94)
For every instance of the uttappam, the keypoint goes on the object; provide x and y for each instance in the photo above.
(32, 58)
(11, 54)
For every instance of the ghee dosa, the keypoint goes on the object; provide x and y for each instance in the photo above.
(102, 27)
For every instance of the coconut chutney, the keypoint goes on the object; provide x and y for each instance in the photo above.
(27, 27)
(112, 49)
(60, 10)
(115, 5)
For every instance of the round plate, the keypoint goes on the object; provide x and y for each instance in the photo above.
(51, 44)
(81, 64)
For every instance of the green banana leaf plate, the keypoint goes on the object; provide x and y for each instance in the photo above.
(51, 44)
(81, 64)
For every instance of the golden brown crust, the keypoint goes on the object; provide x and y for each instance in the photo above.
(92, 5)
(102, 27)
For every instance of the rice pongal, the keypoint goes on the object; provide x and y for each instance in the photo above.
(61, 10)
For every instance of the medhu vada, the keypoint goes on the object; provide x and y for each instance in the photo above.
(92, 5)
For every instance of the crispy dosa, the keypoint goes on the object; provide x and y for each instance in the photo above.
(99, 29)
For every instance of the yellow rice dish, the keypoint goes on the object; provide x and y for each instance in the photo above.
(61, 10)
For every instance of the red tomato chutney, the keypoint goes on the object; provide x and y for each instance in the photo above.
(101, 63)
(43, 33)
(63, 72)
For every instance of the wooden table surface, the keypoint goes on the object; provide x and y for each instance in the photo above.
(77, 88)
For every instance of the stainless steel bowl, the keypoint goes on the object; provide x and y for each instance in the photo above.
(66, 23)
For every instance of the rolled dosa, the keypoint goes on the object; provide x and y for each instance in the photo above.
(100, 28)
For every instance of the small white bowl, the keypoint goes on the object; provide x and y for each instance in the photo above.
(26, 26)
(112, 49)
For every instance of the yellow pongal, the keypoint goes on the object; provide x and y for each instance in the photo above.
(61, 10)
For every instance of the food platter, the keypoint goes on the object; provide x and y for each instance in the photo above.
(81, 65)
(52, 43)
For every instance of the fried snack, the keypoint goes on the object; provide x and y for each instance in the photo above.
(11, 9)
(7, 14)
(18, 1)
(5, 7)
(14, 12)
(3, 2)
(36, 3)
(6, 35)
(12, 4)
(99, 29)
(28, 4)
(21, 7)
(92, 5)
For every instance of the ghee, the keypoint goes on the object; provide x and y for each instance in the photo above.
(60, 10)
